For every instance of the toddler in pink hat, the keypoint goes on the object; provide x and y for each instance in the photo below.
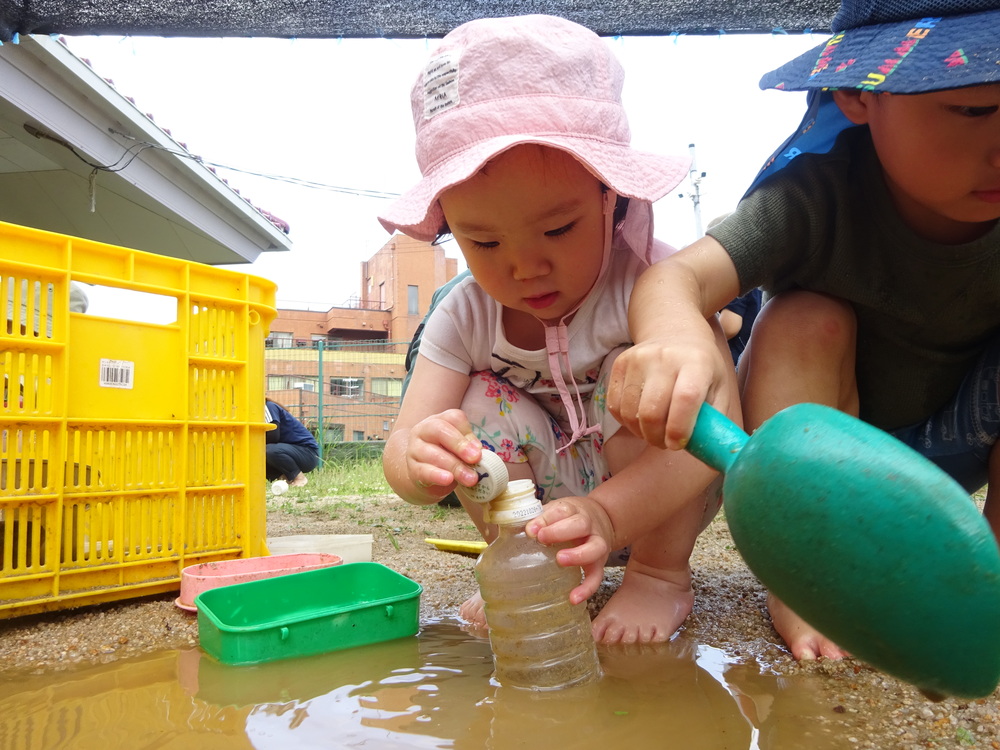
(524, 149)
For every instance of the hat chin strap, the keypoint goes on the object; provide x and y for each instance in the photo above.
(557, 341)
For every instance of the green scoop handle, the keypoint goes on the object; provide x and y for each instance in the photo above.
(867, 540)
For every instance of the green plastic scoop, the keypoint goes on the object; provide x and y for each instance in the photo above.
(868, 541)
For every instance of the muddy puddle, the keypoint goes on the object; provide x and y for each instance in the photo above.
(430, 691)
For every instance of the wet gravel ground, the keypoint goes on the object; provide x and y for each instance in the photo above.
(869, 709)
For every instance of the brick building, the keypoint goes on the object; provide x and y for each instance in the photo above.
(344, 367)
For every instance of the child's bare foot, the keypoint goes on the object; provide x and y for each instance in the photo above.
(802, 638)
(473, 611)
(647, 608)
(300, 481)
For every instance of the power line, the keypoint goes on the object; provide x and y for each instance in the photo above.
(362, 192)
(143, 145)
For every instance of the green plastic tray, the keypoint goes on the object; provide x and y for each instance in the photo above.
(307, 613)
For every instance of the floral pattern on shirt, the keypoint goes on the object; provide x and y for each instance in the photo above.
(576, 471)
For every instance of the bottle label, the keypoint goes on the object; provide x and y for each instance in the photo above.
(515, 515)
(529, 512)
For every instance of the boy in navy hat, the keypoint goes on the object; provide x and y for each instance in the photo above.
(874, 230)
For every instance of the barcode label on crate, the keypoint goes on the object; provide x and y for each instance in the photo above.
(117, 373)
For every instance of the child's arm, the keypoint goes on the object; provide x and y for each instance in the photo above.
(431, 446)
(650, 490)
(658, 385)
(680, 357)
(643, 496)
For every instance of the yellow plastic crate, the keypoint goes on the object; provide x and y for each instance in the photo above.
(128, 450)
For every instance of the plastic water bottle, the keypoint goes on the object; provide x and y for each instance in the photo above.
(539, 640)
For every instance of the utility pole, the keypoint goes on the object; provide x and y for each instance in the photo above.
(696, 177)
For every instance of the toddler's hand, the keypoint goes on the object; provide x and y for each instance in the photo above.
(585, 524)
(440, 452)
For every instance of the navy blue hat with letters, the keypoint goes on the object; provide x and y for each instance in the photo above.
(901, 47)
(895, 46)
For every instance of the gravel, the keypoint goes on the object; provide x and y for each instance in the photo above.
(874, 710)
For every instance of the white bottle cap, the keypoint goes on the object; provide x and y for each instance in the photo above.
(493, 479)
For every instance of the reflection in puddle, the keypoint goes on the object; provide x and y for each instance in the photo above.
(431, 691)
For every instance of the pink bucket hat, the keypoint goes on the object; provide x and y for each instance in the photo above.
(498, 82)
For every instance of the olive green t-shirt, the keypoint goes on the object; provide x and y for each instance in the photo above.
(925, 311)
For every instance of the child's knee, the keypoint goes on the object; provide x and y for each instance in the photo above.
(622, 449)
(805, 318)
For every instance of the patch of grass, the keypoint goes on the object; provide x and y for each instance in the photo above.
(355, 478)
(349, 477)
(346, 505)
(285, 506)
(293, 506)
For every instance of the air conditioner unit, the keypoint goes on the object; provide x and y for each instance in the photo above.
(304, 386)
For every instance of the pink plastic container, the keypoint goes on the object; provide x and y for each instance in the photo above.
(204, 576)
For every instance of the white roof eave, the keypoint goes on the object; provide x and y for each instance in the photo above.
(62, 96)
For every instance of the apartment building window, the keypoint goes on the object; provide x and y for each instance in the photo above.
(279, 340)
(347, 387)
(359, 435)
(412, 299)
(392, 387)
(289, 382)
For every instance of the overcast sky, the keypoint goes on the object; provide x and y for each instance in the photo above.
(337, 113)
